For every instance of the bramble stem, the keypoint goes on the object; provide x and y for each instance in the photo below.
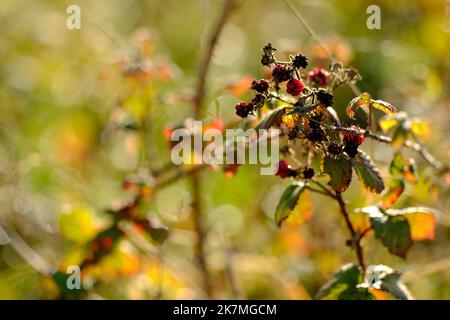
(356, 240)
(197, 210)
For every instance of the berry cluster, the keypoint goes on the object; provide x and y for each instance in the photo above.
(281, 72)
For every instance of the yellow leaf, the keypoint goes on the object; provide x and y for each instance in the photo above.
(422, 223)
(360, 221)
(384, 106)
(302, 211)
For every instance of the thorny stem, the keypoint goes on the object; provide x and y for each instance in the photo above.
(197, 210)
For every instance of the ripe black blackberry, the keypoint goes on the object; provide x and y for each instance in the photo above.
(308, 173)
(300, 61)
(351, 149)
(258, 100)
(317, 135)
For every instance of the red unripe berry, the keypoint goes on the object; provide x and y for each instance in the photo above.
(318, 77)
(284, 169)
(294, 87)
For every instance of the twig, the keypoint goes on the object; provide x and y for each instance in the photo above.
(198, 106)
(355, 238)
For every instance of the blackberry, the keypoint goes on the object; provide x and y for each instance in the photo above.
(351, 149)
(300, 61)
(325, 97)
(281, 73)
(308, 173)
(260, 86)
(258, 100)
(294, 87)
(243, 109)
(334, 149)
(318, 77)
(316, 135)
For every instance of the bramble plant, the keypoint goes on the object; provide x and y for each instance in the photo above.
(301, 106)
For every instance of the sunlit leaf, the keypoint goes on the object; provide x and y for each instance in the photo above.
(360, 221)
(360, 101)
(294, 206)
(344, 286)
(396, 188)
(340, 171)
(398, 228)
(368, 174)
(78, 225)
(422, 222)
(384, 283)
(384, 106)
(302, 212)
(290, 119)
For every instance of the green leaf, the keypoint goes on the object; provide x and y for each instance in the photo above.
(398, 228)
(396, 188)
(344, 286)
(392, 229)
(368, 174)
(340, 171)
(384, 278)
(295, 205)
(274, 118)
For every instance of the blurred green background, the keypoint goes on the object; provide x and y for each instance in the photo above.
(69, 100)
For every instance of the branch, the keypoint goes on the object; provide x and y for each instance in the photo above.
(356, 240)
(197, 210)
(417, 147)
